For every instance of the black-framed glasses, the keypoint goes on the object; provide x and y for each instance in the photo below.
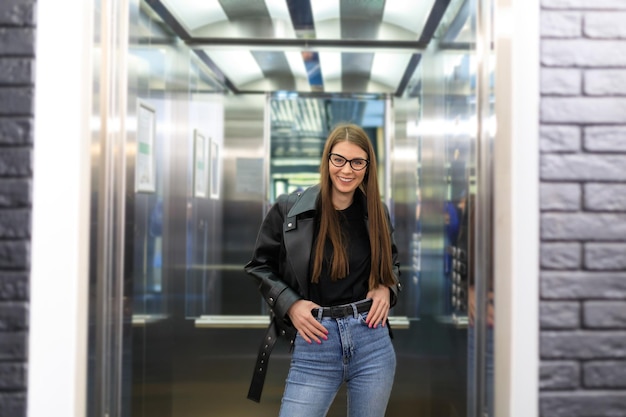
(357, 164)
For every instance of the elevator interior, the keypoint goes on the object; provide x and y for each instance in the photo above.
(227, 105)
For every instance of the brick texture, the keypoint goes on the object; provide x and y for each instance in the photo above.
(611, 138)
(17, 61)
(555, 138)
(559, 375)
(560, 315)
(604, 374)
(557, 255)
(583, 208)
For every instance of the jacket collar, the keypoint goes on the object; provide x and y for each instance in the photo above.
(306, 202)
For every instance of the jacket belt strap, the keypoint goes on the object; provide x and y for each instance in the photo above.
(262, 361)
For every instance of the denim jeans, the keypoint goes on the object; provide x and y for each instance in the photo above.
(362, 357)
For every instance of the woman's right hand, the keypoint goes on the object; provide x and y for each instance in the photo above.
(304, 322)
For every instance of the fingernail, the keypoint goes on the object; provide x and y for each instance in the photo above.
(325, 337)
(319, 342)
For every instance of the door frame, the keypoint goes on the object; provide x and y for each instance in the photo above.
(516, 208)
(57, 355)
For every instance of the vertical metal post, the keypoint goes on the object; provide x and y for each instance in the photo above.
(484, 198)
(110, 201)
(267, 147)
(389, 130)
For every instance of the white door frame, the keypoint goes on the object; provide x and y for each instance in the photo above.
(516, 208)
(57, 357)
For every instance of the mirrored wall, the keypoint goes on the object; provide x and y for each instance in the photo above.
(298, 129)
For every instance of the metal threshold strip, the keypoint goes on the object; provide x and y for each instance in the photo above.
(460, 322)
(143, 319)
(261, 322)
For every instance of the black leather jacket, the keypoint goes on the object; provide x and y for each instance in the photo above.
(280, 262)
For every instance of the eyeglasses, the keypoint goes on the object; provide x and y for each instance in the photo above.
(357, 164)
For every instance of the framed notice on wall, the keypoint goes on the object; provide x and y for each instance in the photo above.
(214, 158)
(200, 165)
(145, 157)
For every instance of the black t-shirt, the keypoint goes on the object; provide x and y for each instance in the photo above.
(353, 287)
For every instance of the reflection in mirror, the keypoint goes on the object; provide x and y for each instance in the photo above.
(299, 126)
(291, 19)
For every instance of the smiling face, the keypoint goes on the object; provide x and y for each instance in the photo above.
(345, 179)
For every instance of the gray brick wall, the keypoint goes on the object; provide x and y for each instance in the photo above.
(17, 47)
(583, 208)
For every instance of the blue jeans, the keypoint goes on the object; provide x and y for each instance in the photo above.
(362, 357)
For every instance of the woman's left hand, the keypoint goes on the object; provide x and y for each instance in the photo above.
(381, 301)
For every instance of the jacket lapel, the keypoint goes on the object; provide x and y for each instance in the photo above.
(298, 235)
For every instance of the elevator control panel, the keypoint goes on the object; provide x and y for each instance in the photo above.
(459, 280)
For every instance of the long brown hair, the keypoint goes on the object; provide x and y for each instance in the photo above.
(381, 271)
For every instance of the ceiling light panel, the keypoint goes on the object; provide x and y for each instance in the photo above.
(281, 19)
(336, 67)
(326, 16)
(331, 70)
(296, 63)
(240, 65)
(278, 9)
(411, 18)
(325, 10)
(196, 13)
(388, 68)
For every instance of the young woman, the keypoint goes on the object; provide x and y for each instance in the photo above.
(326, 263)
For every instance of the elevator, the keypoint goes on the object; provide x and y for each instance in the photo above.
(205, 113)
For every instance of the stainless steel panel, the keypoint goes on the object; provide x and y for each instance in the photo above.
(432, 185)
(404, 189)
(484, 288)
(107, 344)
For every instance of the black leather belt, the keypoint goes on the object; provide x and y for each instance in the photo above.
(343, 310)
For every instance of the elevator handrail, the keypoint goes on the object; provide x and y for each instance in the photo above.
(262, 321)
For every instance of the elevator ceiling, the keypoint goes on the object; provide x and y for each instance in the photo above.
(314, 46)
